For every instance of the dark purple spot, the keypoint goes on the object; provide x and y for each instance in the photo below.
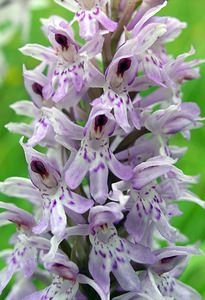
(38, 167)
(123, 65)
(114, 265)
(71, 203)
(158, 216)
(14, 260)
(37, 89)
(100, 166)
(166, 260)
(120, 259)
(102, 254)
(61, 40)
(100, 121)
(111, 255)
(96, 11)
(62, 197)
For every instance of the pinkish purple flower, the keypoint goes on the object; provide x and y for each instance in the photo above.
(90, 16)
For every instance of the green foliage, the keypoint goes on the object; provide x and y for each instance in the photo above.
(12, 162)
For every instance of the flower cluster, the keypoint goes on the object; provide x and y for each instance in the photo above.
(106, 187)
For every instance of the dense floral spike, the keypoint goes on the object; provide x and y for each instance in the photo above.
(105, 187)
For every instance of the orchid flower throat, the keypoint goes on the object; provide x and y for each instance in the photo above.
(117, 82)
(47, 179)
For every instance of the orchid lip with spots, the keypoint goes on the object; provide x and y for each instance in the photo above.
(103, 185)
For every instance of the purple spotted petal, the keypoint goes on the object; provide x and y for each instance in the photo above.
(126, 276)
(120, 170)
(58, 219)
(106, 22)
(77, 203)
(135, 219)
(101, 273)
(98, 182)
(76, 172)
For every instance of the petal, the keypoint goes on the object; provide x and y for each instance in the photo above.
(126, 276)
(98, 182)
(166, 230)
(71, 5)
(123, 172)
(176, 251)
(92, 48)
(100, 268)
(120, 113)
(20, 128)
(21, 289)
(55, 241)
(39, 52)
(28, 262)
(95, 77)
(140, 253)
(174, 28)
(25, 108)
(129, 296)
(20, 188)
(41, 130)
(31, 78)
(148, 14)
(18, 215)
(141, 83)
(153, 68)
(136, 223)
(106, 22)
(76, 171)
(144, 40)
(6, 275)
(89, 27)
(183, 291)
(150, 286)
(77, 203)
(36, 296)
(153, 168)
(85, 280)
(62, 125)
(191, 197)
(44, 174)
(42, 225)
(58, 220)
(157, 96)
(54, 245)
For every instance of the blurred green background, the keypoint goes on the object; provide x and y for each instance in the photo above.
(12, 163)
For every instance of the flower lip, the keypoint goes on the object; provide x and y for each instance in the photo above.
(38, 167)
(123, 65)
(62, 40)
(37, 88)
